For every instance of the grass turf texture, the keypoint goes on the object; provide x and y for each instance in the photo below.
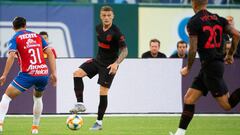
(201, 125)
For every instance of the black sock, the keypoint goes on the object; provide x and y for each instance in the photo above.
(78, 88)
(234, 98)
(102, 107)
(187, 115)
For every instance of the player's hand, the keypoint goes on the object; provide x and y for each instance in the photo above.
(184, 71)
(113, 68)
(53, 79)
(229, 59)
(2, 80)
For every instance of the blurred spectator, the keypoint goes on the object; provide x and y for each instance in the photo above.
(181, 50)
(154, 50)
(44, 34)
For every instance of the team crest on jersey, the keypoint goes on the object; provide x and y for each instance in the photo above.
(109, 37)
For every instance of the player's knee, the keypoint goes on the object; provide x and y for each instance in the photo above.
(78, 73)
(37, 94)
(188, 100)
(103, 91)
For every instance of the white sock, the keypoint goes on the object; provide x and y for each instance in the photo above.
(37, 110)
(99, 122)
(4, 107)
(180, 131)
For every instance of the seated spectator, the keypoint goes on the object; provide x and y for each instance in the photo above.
(181, 50)
(44, 35)
(154, 50)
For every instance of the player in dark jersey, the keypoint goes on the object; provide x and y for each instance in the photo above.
(205, 34)
(29, 47)
(110, 42)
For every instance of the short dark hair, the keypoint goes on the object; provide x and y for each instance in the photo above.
(106, 8)
(154, 40)
(201, 2)
(43, 33)
(19, 22)
(181, 42)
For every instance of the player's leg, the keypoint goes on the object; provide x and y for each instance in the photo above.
(37, 110)
(101, 108)
(105, 81)
(10, 93)
(86, 69)
(197, 90)
(78, 89)
(226, 102)
(20, 84)
(190, 99)
(40, 84)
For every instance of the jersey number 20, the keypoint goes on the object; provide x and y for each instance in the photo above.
(215, 31)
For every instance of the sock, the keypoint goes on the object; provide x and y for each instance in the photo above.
(180, 131)
(187, 115)
(78, 88)
(102, 106)
(234, 98)
(37, 110)
(4, 107)
(99, 122)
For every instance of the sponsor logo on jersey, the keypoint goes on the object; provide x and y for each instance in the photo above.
(26, 36)
(38, 69)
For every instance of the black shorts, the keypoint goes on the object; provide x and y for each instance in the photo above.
(92, 67)
(210, 78)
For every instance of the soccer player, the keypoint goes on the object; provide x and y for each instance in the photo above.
(110, 42)
(44, 34)
(29, 48)
(205, 34)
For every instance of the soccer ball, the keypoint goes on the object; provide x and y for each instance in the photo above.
(74, 122)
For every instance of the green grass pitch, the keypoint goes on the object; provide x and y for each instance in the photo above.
(136, 125)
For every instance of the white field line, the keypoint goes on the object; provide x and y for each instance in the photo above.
(131, 115)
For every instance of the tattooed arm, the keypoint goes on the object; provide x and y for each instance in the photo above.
(123, 54)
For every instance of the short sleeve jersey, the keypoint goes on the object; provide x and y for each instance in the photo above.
(209, 29)
(109, 43)
(29, 48)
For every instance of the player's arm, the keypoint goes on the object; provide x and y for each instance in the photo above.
(52, 64)
(192, 50)
(193, 39)
(123, 54)
(9, 63)
(235, 39)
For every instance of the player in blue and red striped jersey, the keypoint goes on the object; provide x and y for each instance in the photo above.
(29, 47)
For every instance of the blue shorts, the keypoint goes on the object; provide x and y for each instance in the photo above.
(24, 81)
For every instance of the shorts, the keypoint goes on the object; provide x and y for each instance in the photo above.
(210, 78)
(24, 81)
(92, 67)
